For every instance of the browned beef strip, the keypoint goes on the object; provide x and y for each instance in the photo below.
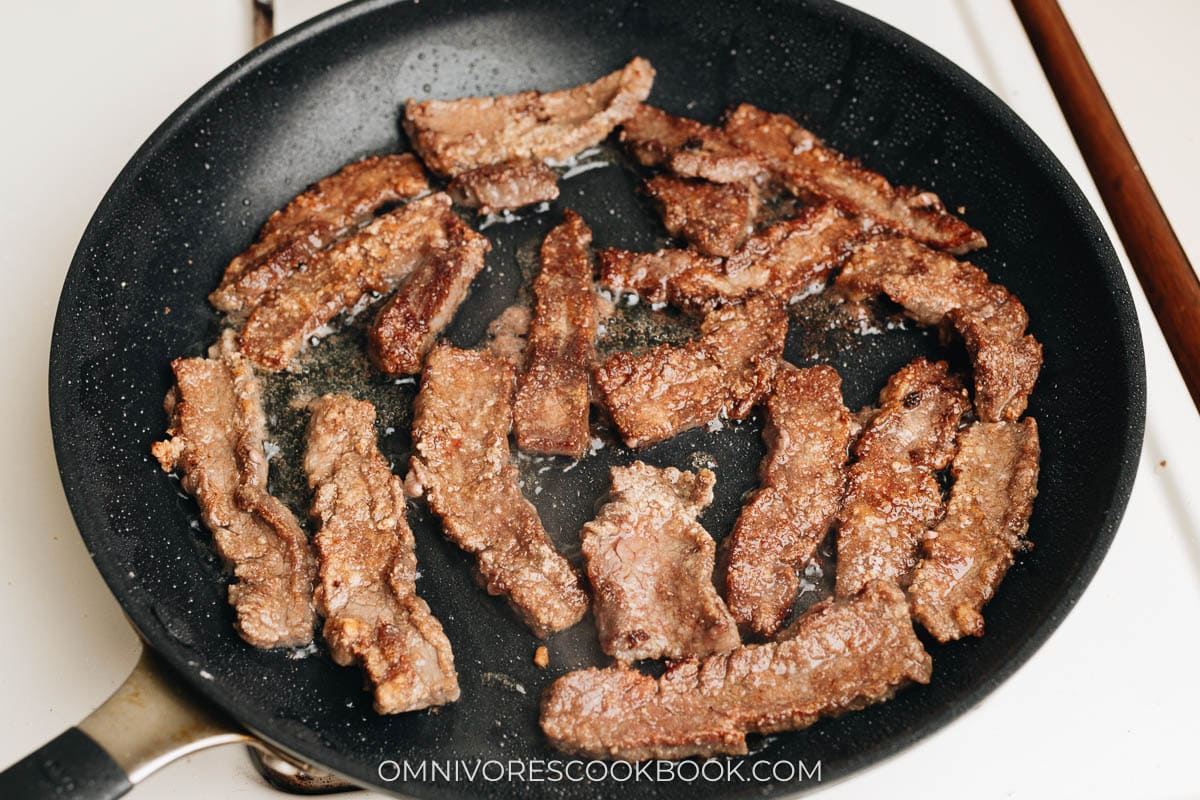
(368, 564)
(654, 395)
(648, 274)
(462, 417)
(968, 553)
(937, 289)
(713, 218)
(804, 165)
(406, 327)
(803, 477)
(454, 136)
(841, 655)
(651, 567)
(686, 147)
(216, 429)
(892, 497)
(505, 187)
(313, 220)
(550, 411)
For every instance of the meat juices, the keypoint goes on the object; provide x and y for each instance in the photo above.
(803, 477)
(651, 567)
(216, 431)
(686, 147)
(455, 136)
(654, 395)
(368, 564)
(312, 221)
(505, 187)
(462, 416)
(713, 218)
(968, 553)
(550, 410)
(936, 289)
(839, 656)
(893, 497)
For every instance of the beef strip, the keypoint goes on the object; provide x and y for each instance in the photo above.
(654, 395)
(893, 497)
(648, 274)
(687, 147)
(216, 431)
(406, 327)
(803, 477)
(375, 259)
(802, 164)
(462, 416)
(967, 554)
(713, 218)
(506, 334)
(841, 655)
(455, 136)
(550, 410)
(651, 567)
(937, 289)
(368, 564)
(505, 187)
(312, 221)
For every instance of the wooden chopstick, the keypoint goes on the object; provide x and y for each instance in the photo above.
(264, 20)
(1154, 250)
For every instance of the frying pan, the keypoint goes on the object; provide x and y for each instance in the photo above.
(330, 91)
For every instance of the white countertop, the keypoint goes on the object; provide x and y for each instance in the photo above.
(1105, 709)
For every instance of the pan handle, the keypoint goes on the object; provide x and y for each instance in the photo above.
(148, 722)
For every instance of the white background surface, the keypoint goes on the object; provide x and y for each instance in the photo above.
(1108, 708)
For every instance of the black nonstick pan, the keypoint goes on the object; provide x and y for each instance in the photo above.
(331, 91)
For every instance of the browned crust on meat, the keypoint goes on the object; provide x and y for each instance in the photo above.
(368, 564)
(651, 567)
(713, 218)
(968, 553)
(892, 497)
(647, 274)
(454, 136)
(550, 411)
(312, 221)
(841, 655)
(654, 395)
(937, 289)
(462, 417)
(686, 147)
(803, 477)
(505, 187)
(216, 429)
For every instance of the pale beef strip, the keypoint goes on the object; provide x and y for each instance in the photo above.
(804, 165)
(550, 410)
(506, 334)
(808, 434)
(505, 187)
(410, 321)
(714, 218)
(462, 416)
(455, 136)
(668, 389)
(840, 656)
(368, 564)
(686, 147)
(312, 221)
(375, 259)
(967, 555)
(893, 497)
(217, 428)
(650, 564)
(938, 289)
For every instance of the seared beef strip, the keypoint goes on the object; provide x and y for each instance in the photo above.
(807, 167)
(406, 327)
(840, 656)
(462, 417)
(892, 497)
(550, 410)
(455, 136)
(714, 218)
(216, 429)
(803, 477)
(937, 289)
(651, 567)
(648, 274)
(686, 147)
(313, 220)
(967, 554)
(368, 564)
(654, 395)
(505, 187)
